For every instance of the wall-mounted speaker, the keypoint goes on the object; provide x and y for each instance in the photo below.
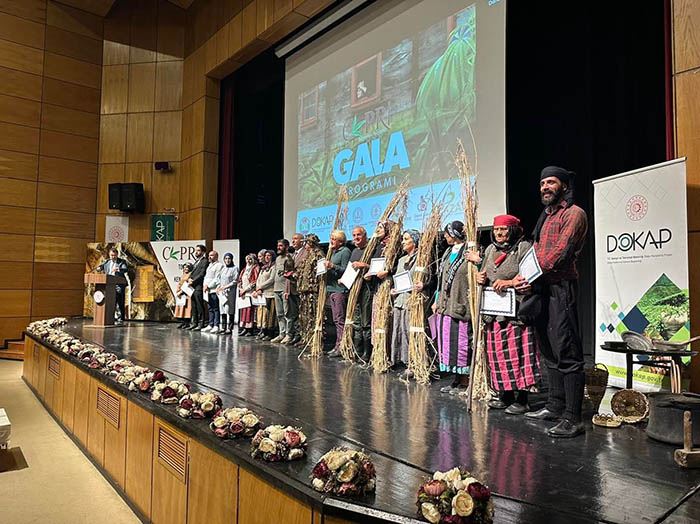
(115, 196)
(133, 198)
(163, 166)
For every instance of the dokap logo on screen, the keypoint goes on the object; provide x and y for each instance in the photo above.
(366, 160)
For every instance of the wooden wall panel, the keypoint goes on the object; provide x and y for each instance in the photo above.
(73, 45)
(139, 457)
(20, 275)
(115, 443)
(30, 9)
(17, 192)
(11, 327)
(17, 220)
(95, 427)
(19, 138)
(112, 138)
(167, 135)
(171, 32)
(688, 138)
(71, 147)
(68, 172)
(28, 359)
(19, 248)
(165, 191)
(58, 276)
(260, 503)
(115, 88)
(15, 302)
(59, 250)
(66, 198)
(114, 53)
(169, 493)
(82, 406)
(139, 137)
(69, 375)
(210, 473)
(142, 85)
(20, 84)
(235, 33)
(21, 111)
(53, 303)
(21, 57)
(65, 223)
(42, 366)
(14, 164)
(140, 173)
(70, 121)
(143, 36)
(74, 20)
(71, 70)
(168, 93)
(73, 96)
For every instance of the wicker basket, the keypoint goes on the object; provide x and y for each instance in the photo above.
(631, 405)
(596, 384)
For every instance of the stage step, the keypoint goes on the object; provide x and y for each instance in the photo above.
(14, 351)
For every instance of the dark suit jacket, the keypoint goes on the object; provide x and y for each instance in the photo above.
(198, 272)
(122, 268)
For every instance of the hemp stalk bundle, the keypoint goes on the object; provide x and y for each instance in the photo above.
(478, 382)
(382, 300)
(419, 362)
(341, 213)
(347, 345)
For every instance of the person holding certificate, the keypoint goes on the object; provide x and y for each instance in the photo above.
(559, 237)
(246, 288)
(183, 303)
(510, 344)
(226, 292)
(451, 307)
(337, 293)
(375, 278)
(264, 287)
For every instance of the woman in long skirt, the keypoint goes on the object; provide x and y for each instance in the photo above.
(226, 291)
(510, 344)
(451, 307)
(246, 288)
(183, 310)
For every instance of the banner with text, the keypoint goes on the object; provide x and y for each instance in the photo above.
(641, 255)
(172, 257)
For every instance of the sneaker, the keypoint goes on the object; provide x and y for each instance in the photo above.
(214, 330)
(206, 329)
(278, 338)
(285, 340)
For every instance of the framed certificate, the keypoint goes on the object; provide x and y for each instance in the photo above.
(403, 282)
(376, 265)
(498, 304)
(529, 267)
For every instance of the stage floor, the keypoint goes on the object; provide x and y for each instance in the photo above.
(608, 475)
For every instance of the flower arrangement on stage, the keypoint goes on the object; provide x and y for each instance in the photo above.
(279, 444)
(40, 327)
(199, 405)
(235, 423)
(169, 392)
(344, 472)
(454, 497)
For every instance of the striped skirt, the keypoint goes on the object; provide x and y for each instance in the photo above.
(512, 355)
(454, 339)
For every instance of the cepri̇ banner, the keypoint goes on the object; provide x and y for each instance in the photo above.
(641, 255)
(172, 257)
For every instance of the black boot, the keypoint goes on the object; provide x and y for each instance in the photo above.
(224, 323)
(556, 399)
(574, 384)
(504, 399)
(520, 406)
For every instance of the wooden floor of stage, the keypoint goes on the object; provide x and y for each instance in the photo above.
(608, 475)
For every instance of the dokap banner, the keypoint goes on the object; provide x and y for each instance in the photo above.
(641, 257)
(172, 256)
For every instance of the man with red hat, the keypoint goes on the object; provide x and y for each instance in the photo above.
(559, 237)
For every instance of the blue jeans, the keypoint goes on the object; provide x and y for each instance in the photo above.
(213, 310)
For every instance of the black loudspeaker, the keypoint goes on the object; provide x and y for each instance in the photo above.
(133, 198)
(115, 196)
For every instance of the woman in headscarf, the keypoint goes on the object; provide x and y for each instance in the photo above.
(183, 311)
(451, 307)
(510, 344)
(265, 287)
(401, 316)
(228, 279)
(246, 288)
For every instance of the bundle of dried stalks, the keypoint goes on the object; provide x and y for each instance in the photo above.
(382, 300)
(347, 346)
(341, 212)
(419, 361)
(478, 382)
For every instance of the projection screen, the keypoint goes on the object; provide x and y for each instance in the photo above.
(384, 97)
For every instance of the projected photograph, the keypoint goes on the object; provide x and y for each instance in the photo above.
(394, 114)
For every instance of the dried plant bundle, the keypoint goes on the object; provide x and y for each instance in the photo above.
(341, 213)
(347, 346)
(419, 361)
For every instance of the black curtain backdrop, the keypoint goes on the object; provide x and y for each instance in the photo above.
(585, 89)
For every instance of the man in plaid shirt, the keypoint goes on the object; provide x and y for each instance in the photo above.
(559, 237)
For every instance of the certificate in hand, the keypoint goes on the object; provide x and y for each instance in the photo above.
(321, 267)
(376, 265)
(403, 282)
(530, 268)
(259, 301)
(498, 304)
(243, 302)
(181, 301)
(187, 289)
(349, 276)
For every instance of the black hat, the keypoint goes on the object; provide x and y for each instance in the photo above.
(564, 175)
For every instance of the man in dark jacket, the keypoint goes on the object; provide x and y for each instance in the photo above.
(197, 281)
(116, 266)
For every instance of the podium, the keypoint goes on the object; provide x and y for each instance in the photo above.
(104, 296)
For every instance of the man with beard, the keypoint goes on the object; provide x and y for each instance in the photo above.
(286, 310)
(199, 269)
(362, 316)
(559, 237)
(291, 295)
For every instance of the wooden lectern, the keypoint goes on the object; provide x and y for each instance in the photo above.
(105, 297)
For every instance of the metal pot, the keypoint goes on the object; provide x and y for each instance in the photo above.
(666, 416)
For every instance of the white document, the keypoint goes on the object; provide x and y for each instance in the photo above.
(321, 267)
(498, 304)
(206, 296)
(181, 301)
(243, 302)
(349, 276)
(403, 282)
(223, 298)
(530, 268)
(376, 265)
(259, 301)
(187, 289)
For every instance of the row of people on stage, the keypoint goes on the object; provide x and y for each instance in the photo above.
(282, 287)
